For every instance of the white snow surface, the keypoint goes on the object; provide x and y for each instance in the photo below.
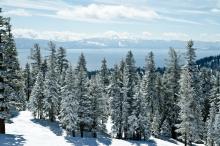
(25, 131)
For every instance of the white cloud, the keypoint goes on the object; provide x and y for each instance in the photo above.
(114, 13)
(215, 10)
(68, 35)
(146, 34)
(209, 37)
(211, 21)
(179, 20)
(35, 4)
(17, 12)
(48, 35)
(218, 35)
(175, 36)
(116, 35)
(189, 11)
(71, 36)
(107, 12)
(125, 35)
(203, 35)
(95, 11)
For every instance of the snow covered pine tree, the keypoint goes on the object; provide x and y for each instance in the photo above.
(51, 91)
(171, 86)
(69, 103)
(2, 69)
(190, 102)
(11, 83)
(37, 97)
(84, 110)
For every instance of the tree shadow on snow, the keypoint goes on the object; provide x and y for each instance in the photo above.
(53, 126)
(105, 140)
(149, 142)
(78, 141)
(14, 114)
(169, 140)
(11, 140)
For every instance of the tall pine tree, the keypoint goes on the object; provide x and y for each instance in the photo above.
(27, 81)
(69, 103)
(51, 91)
(84, 110)
(104, 83)
(37, 97)
(215, 102)
(62, 62)
(140, 127)
(36, 61)
(116, 102)
(11, 76)
(129, 83)
(3, 103)
(171, 87)
(97, 107)
(190, 126)
(149, 80)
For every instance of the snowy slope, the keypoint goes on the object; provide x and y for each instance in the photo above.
(28, 132)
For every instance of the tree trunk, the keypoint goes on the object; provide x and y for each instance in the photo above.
(134, 136)
(51, 115)
(94, 134)
(28, 93)
(119, 135)
(2, 126)
(212, 143)
(126, 133)
(81, 130)
(190, 143)
(185, 142)
(73, 133)
(41, 117)
(173, 132)
(138, 135)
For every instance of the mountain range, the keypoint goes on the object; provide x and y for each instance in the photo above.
(104, 43)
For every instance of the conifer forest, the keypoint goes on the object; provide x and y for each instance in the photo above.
(179, 101)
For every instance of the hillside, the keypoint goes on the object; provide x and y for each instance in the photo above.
(25, 131)
(212, 62)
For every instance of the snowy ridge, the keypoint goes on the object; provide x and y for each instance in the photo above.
(25, 131)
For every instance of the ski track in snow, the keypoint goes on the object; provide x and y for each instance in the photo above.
(28, 132)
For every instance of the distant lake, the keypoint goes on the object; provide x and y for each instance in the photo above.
(113, 56)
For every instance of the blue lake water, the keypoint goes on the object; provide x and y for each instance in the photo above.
(113, 56)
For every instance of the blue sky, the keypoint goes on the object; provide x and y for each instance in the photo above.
(127, 19)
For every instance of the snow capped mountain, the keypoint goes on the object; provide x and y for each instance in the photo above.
(25, 43)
